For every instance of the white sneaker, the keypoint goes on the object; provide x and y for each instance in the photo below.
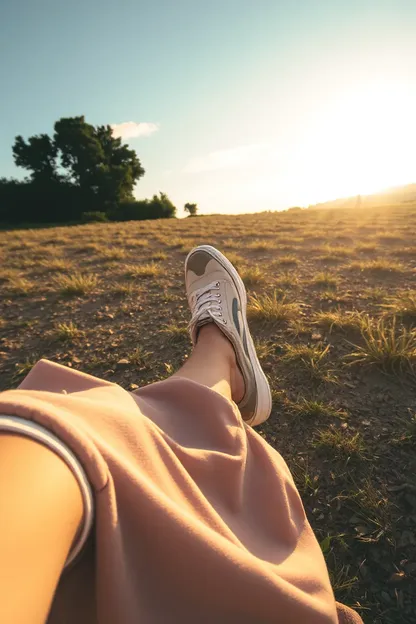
(216, 294)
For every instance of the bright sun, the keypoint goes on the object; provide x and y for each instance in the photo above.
(362, 143)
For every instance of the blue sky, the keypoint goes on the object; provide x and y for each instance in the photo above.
(249, 104)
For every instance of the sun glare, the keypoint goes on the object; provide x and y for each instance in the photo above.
(362, 143)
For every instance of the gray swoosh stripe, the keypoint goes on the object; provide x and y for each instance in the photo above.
(235, 315)
(245, 343)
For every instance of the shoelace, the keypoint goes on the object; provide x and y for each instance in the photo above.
(207, 304)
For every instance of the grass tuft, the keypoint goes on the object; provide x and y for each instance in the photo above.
(315, 409)
(312, 358)
(289, 260)
(325, 280)
(67, 331)
(110, 254)
(339, 443)
(56, 264)
(175, 332)
(271, 309)
(252, 275)
(337, 319)
(403, 306)
(20, 286)
(76, 284)
(150, 269)
(381, 266)
(391, 348)
(260, 245)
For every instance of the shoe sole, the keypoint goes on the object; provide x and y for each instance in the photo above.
(264, 397)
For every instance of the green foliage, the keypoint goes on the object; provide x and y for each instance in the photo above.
(94, 216)
(38, 155)
(159, 207)
(79, 172)
(95, 161)
(191, 209)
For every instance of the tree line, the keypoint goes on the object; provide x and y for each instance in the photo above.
(80, 173)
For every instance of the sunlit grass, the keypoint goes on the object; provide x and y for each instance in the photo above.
(311, 358)
(76, 284)
(314, 409)
(158, 256)
(403, 306)
(252, 275)
(149, 269)
(271, 308)
(391, 348)
(288, 279)
(380, 265)
(261, 245)
(175, 332)
(20, 286)
(338, 319)
(236, 260)
(67, 331)
(109, 254)
(23, 368)
(56, 264)
(366, 247)
(339, 443)
(289, 260)
(325, 280)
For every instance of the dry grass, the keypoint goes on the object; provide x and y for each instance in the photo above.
(76, 284)
(57, 264)
(287, 280)
(21, 286)
(158, 256)
(288, 260)
(366, 248)
(125, 288)
(380, 265)
(237, 260)
(403, 306)
(149, 269)
(340, 444)
(261, 245)
(338, 319)
(175, 332)
(391, 348)
(312, 358)
(111, 254)
(325, 280)
(271, 308)
(315, 409)
(252, 275)
(67, 331)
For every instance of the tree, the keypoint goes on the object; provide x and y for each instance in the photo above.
(82, 172)
(191, 209)
(95, 168)
(38, 155)
(162, 206)
(97, 162)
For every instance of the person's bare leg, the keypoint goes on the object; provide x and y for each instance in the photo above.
(213, 364)
(41, 510)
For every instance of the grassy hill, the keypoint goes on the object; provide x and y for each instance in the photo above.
(332, 305)
(398, 196)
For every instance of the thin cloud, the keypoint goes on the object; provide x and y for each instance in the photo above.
(133, 129)
(231, 158)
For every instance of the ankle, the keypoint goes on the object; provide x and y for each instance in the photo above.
(211, 337)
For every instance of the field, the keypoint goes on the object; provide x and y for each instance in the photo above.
(332, 302)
